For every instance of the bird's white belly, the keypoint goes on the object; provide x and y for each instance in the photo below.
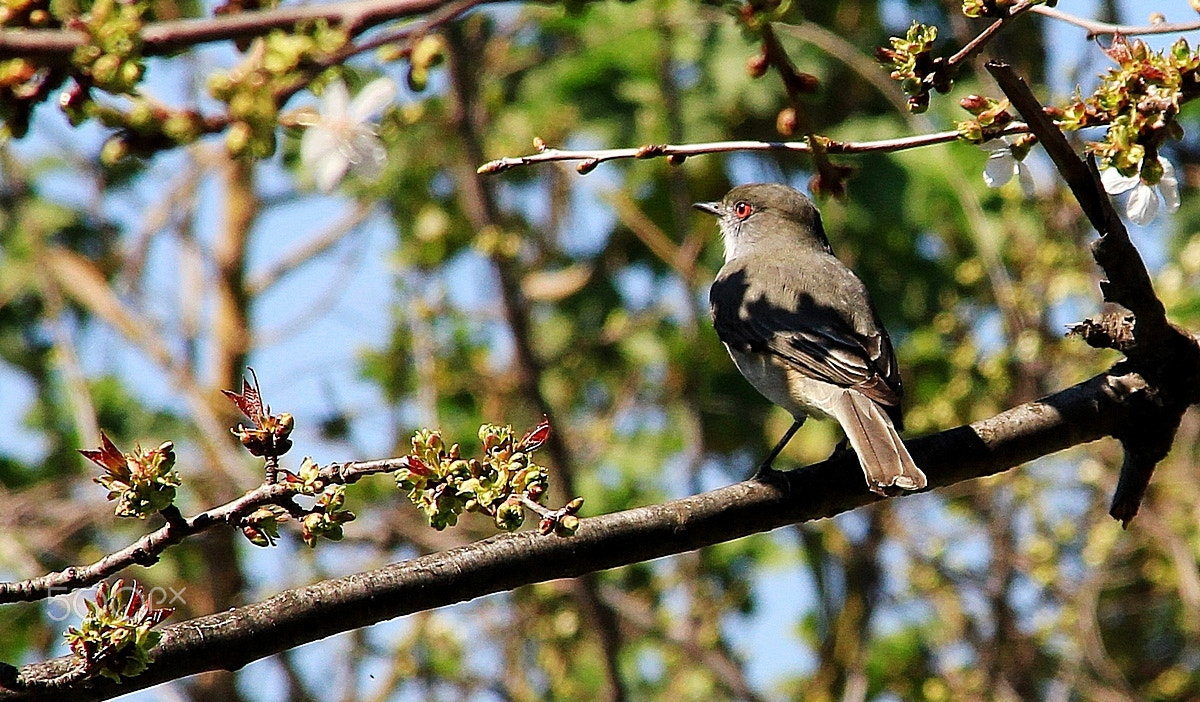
(795, 392)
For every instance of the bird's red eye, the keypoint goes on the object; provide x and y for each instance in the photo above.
(742, 209)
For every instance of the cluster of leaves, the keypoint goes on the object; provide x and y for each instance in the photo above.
(112, 58)
(1139, 100)
(279, 65)
(501, 484)
(914, 65)
(427, 53)
(268, 436)
(115, 637)
(991, 115)
(142, 482)
(324, 519)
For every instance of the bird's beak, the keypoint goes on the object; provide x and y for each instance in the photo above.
(713, 208)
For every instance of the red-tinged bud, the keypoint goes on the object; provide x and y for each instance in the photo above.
(757, 66)
(806, 82)
(974, 104)
(536, 436)
(649, 150)
(785, 121)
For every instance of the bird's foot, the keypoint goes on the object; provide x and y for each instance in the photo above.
(764, 473)
(840, 451)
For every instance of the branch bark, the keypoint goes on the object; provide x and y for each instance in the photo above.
(159, 38)
(233, 638)
(1165, 355)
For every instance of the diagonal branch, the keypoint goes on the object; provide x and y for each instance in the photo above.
(1165, 355)
(160, 38)
(231, 639)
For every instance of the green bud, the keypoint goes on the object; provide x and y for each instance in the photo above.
(510, 515)
(237, 139)
(113, 151)
(1152, 171)
(141, 117)
(220, 86)
(130, 74)
(105, 68)
(567, 526)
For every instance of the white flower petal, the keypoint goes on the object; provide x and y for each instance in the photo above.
(1025, 178)
(1142, 206)
(993, 145)
(317, 143)
(1170, 195)
(1115, 183)
(1168, 169)
(372, 99)
(1168, 187)
(329, 171)
(334, 101)
(999, 169)
(365, 151)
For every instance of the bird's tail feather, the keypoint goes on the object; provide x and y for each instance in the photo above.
(883, 457)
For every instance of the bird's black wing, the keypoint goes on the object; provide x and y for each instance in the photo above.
(812, 338)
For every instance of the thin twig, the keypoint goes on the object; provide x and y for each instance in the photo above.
(312, 249)
(589, 159)
(976, 45)
(1095, 28)
(147, 549)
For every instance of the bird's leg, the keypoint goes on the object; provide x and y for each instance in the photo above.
(765, 466)
(842, 447)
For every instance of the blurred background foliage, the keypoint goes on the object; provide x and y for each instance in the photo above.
(130, 295)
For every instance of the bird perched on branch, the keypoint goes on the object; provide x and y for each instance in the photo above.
(801, 328)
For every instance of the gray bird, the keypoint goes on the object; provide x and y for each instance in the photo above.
(801, 328)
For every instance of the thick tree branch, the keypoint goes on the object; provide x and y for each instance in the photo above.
(231, 639)
(160, 38)
(1165, 355)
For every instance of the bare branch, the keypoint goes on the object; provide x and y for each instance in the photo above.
(591, 158)
(976, 45)
(1095, 29)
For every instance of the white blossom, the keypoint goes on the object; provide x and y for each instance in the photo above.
(1001, 165)
(1142, 205)
(342, 134)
